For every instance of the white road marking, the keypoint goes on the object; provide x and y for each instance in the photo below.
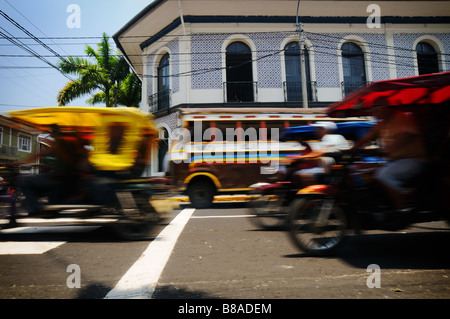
(48, 229)
(28, 248)
(37, 247)
(140, 280)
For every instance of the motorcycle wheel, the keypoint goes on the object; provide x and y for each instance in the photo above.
(317, 238)
(139, 226)
(267, 212)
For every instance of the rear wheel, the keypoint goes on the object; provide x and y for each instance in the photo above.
(267, 211)
(317, 226)
(133, 230)
(138, 223)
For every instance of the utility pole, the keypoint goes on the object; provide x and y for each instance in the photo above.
(302, 60)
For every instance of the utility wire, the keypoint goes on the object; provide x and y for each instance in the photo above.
(26, 48)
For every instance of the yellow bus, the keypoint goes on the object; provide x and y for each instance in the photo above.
(224, 151)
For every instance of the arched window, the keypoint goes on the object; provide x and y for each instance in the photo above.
(427, 58)
(353, 66)
(239, 72)
(164, 82)
(293, 85)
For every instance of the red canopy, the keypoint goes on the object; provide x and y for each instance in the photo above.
(406, 92)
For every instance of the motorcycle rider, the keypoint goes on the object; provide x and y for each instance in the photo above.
(329, 142)
(404, 147)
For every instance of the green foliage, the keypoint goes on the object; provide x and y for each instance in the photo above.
(106, 75)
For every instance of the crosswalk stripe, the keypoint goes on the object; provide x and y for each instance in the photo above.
(28, 247)
(37, 247)
(139, 282)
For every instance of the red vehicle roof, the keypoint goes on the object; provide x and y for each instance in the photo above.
(405, 93)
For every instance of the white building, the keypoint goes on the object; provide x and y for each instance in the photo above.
(225, 53)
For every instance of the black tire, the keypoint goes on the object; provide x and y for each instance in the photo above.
(267, 212)
(316, 238)
(139, 226)
(201, 193)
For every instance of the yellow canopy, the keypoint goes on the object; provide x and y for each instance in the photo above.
(78, 117)
(118, 132)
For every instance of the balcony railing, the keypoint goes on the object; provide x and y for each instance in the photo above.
(160, 101)
(349, 87)
(293, 91)
(245, 91)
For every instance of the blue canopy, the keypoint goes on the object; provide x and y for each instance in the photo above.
(353, 130)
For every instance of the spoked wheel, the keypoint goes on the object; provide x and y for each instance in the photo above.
(268, 211)
(317, 226)
(138, 224)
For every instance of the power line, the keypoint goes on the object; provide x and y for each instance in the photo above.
(26, 48)
(30, 22)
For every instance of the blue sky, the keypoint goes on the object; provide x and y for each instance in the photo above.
(27, 82)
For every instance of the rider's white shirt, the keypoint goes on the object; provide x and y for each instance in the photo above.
(332, 142)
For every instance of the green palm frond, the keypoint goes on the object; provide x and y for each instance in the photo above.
(105, 71)
(72, 90)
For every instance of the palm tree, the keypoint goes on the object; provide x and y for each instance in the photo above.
(127, 92)
(105, 75)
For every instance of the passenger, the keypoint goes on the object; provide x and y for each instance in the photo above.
(68, 155)
(143, 154)
(404, 147)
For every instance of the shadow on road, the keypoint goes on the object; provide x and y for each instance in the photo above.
(413, 250)
(73, 234)
(171, 292)
(93, 291)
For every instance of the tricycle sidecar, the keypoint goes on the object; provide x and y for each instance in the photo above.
(94, 172)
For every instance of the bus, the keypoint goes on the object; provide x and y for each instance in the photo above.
(224, 151)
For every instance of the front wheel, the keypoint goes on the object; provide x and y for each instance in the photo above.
(317, 226)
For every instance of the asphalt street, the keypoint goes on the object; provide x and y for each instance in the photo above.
(218, 253)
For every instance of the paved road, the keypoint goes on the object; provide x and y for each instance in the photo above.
(218, 253)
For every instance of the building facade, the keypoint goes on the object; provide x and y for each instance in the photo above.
(17, 140)
(234, 53)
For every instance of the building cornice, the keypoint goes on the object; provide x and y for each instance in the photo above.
(285, 19)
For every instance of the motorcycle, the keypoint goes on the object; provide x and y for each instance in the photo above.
(322, 215)
(270, 203)
(108, 190)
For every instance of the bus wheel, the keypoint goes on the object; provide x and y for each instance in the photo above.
(201, 193)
